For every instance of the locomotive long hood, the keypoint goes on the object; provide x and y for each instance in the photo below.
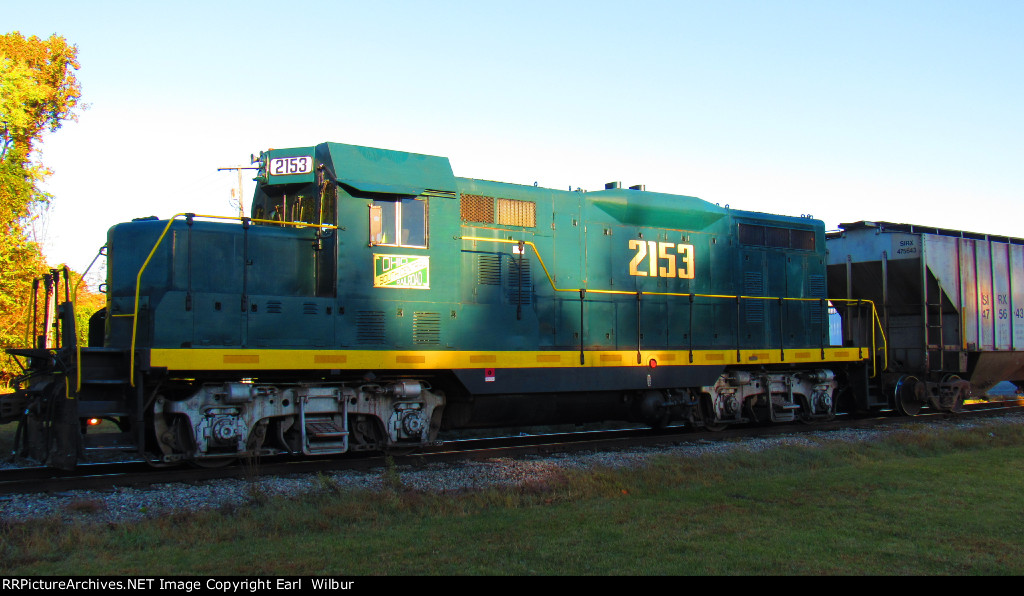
(642, 208)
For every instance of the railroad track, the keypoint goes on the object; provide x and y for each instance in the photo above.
(108, 476)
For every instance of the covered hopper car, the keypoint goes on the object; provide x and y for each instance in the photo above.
(951, 305)
(373, 299)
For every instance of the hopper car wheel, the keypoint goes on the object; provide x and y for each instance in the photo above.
(956, 390)
(910, 395)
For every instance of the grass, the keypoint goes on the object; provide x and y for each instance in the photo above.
(922, 502)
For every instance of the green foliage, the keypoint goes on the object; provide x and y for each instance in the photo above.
(38, 92)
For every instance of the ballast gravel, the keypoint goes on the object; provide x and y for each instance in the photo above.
(133, 504)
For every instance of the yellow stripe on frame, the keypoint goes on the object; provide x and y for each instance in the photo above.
(330, 359)
(410, 359)
(199, 359)
(241, 359)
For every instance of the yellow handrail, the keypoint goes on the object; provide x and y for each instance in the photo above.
(876, 326)
(138, 278)
(874, 313)
(74, 309)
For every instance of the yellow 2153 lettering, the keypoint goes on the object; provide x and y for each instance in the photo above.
(661, 261)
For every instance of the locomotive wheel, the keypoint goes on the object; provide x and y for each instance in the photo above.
(707, 414)
(843, 401)
(910, 395)
(832, 411)
(653, 409)
(804, 418)
(826, 417)
(174, 439)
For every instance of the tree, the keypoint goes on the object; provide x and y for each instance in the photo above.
(38, 93)
(38, 89)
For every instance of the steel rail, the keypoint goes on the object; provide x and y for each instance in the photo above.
(135, 473)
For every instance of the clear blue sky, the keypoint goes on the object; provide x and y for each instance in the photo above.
(898, 110)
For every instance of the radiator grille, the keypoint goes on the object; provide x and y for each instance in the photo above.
(489, 270)
(753, 285)
(520, 288)
(511, 212)
(370, 327)
(477, 208)
(816, 286)
(517, 213)
(426, 328)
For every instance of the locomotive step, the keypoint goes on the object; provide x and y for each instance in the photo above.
(117, 441)
(107, 408)
(104, 381)
(324, 430)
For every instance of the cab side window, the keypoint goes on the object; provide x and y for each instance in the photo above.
(399, 222)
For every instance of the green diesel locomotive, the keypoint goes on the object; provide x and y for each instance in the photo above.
(373, 299)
